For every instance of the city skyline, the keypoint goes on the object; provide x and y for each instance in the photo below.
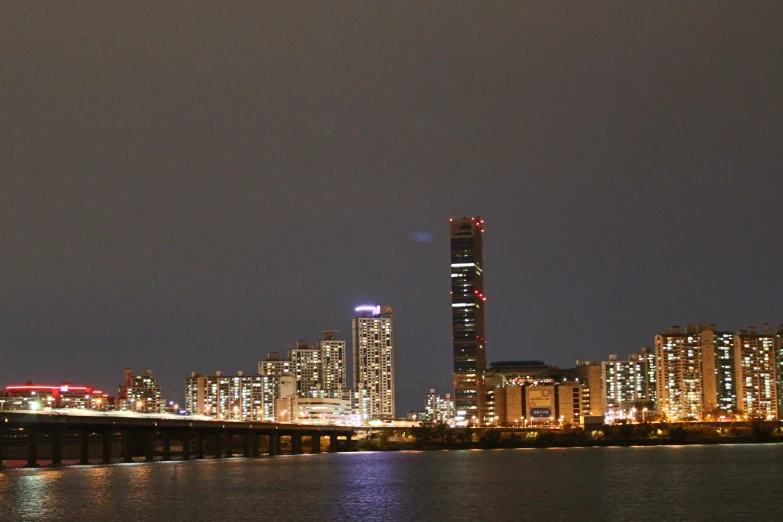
(186, 187)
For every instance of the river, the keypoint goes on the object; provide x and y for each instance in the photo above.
(689, 483)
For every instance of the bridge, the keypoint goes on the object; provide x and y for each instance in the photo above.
(83, 439)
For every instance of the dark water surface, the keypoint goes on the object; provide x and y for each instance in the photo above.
(639, 483)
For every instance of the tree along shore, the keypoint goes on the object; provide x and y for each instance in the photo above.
(440, 436)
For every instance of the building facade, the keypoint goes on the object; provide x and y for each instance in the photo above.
(36, 397)
(725, 371)
(704, 373)
(228, 397)
(629, 386)
(754, 354)
(467, 318)
(307, 366)
(333, 358)
(140, 393)
(437, 408)
(685, 372)
(590, 375)
(373, 361)
(539, 404)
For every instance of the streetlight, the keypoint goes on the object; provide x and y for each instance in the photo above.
(644, 414)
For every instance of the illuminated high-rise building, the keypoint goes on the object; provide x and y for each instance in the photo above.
(703, 372)
(725, 371)
(629, 386)
(308, 369)
(779, 368)
(140, 393)
(333, 361)
(754, 355)
(373, 361)
(685, 372)
(228, 397)
(467, 320)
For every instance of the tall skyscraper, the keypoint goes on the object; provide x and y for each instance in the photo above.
(685, 372)
(779, 368)
(373, 361)
(629, 386)
(754, 355)
(308, 369)
(725, 371)
(467, 319)
(333, 360)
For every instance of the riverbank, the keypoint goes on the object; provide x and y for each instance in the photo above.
(441, 437)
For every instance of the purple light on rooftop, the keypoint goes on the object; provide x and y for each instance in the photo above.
(375, 309)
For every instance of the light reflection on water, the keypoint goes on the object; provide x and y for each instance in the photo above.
(637, 483)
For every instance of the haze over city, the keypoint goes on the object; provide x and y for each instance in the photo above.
(188, 187)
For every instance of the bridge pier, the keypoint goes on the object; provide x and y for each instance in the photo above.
(274, 444)
(218, 445)
(2, 445)
(296, 443)
(253, 444)
(333, 443)
(149, 445)
(349, 446)
(246, 445)
(199, 445)
(32, 447)
(84, 446)
(107, 432)
(127, 446)
(166, 445)
(186, 445)
(315, 443)
(57, 446)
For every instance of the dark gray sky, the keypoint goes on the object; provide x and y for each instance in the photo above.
(188, 186)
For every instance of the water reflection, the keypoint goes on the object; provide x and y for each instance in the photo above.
(638, 483)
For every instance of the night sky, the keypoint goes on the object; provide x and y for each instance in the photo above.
(186, 187)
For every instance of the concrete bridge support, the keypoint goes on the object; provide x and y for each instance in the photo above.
(57, 445)
(84, 446)
(2, 448)
(315, 442)
(218, 445)
(296, 443)
(107, 433)
(185, 437)
(32, 447)
(199, 445)
(274, 444)
(127, 446)
(166, 445)
(253, 444)
(149, 445)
